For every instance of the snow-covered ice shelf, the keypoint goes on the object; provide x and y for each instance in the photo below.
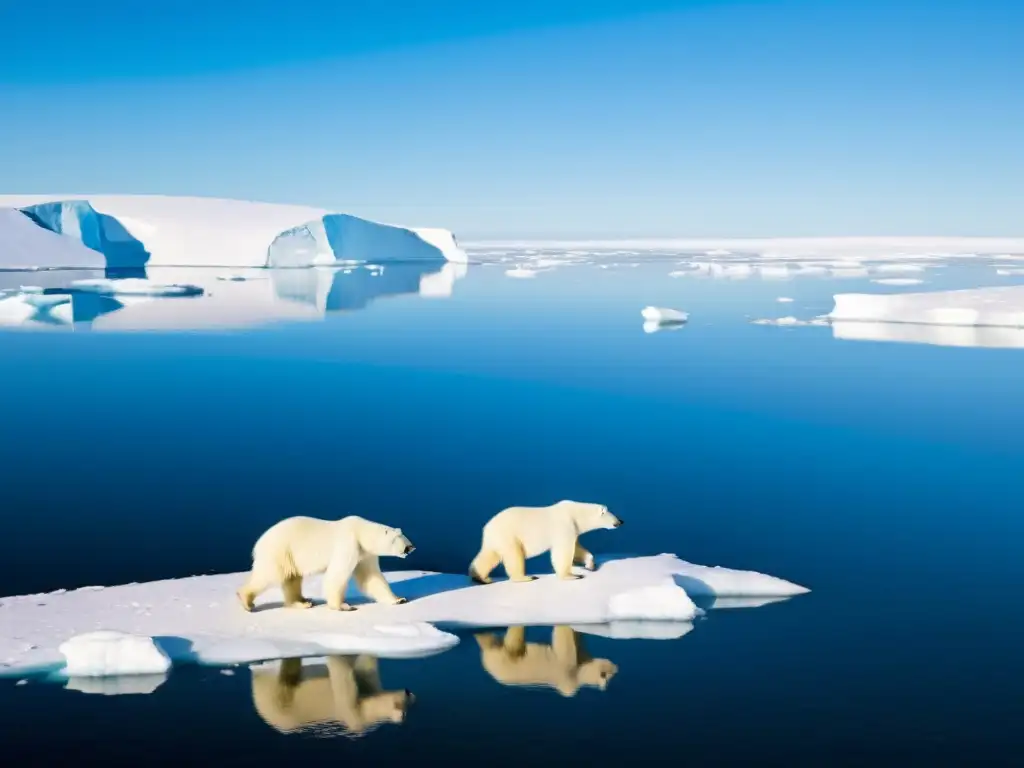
(131, 231)
(198, 619)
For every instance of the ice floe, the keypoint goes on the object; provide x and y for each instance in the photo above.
(998, 307)
(107, 653)
(199, 620)
(789, 320)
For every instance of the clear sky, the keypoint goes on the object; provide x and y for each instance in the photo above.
(538, 118)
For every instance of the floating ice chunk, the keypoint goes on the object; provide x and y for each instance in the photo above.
(37, 311)
(133, 287)
(521, 272)
(116, 685)
(899, 268)
(1000, 307)
(197, 619)
(789, 320)
(1010, 271)
(663, 315)
(103, 653)
(650, 326)
(898, 281)
(784, 300)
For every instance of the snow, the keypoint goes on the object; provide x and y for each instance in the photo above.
(663, 315)
(152, 230)
(107, 653)
(199, 620)
(23, 243)
(998, 307)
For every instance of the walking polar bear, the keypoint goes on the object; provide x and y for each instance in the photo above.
(343, 695)
(340, 549)
(518, 533)
(562, 664)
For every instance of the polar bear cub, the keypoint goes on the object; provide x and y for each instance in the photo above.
(518, 533)
(340, 549)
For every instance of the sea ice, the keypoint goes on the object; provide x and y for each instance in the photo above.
(664, 315)
(1000, 307)
(108, 653)
(198, 619)
(149, 230)
(898, 281)
(789, 320)
(132, 287)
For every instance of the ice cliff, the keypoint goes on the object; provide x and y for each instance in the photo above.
(135, 231)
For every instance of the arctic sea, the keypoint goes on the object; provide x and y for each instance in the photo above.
(884, 476)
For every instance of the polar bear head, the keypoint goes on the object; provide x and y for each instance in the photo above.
(597, 673)
(590, 517)
(385, 540)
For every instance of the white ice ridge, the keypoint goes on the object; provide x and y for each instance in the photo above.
(198, 619)
(992, 307)
(133, 231)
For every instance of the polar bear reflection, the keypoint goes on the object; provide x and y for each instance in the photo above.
(341, 696)
(563, 665)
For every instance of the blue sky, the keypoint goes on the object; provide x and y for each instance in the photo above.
(540, 118)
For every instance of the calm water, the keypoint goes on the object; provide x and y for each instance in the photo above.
(884, 476)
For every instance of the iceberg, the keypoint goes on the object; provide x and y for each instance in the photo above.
(198, 619)
(137, 231)
(992, 307)
(663, 315)
(24, 244)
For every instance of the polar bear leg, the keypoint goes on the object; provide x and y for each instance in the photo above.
(371, 582)
(514, 642)
(561, 558)
(514, 559)
(291, 588)
(583, 557)
(258, 582)
(343, 562)
(485, 562)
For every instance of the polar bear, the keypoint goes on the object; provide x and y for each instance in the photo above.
(340, 549)
(344, 691)
(563, 665)
(518, 533)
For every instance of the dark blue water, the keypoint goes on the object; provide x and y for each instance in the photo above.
(884, 476)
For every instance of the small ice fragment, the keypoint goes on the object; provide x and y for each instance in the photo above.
(664, 315)
(521, 272)
(897, 281)
(103, 653)
(784, 300)
(790, 321)
(227, 672)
